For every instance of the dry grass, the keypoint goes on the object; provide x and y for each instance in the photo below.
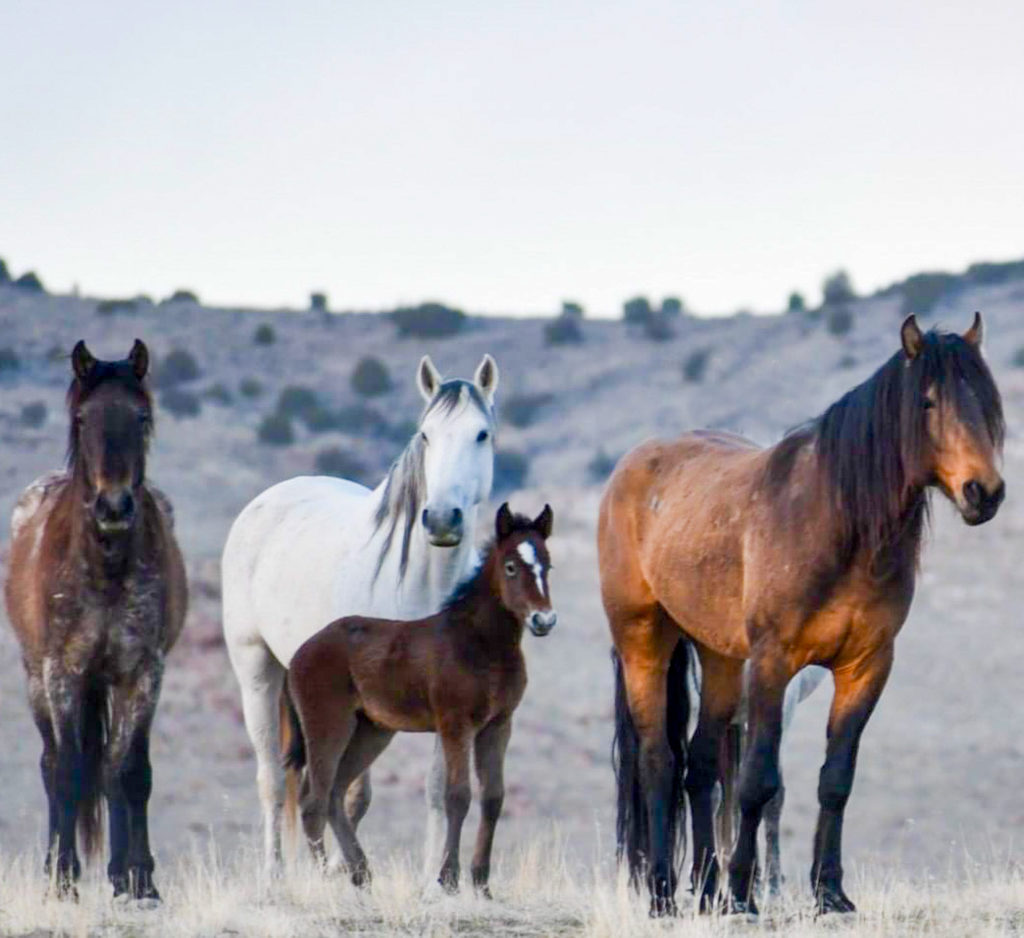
(536, 893)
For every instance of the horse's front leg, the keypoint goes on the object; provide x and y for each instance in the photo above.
(859, 684)
(456, 740)
(759, 775)
(489, 751)
(129, 784)
(721, 686)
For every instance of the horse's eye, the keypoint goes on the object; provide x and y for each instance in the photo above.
(510, 567)
(929, 404)
(482, 436)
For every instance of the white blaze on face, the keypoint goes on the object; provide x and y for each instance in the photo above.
(529, 556)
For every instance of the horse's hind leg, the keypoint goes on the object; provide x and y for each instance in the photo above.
(489, 751)
(772, 852)
(367, 742)
(357, 799)
(435, 789)
(721, 686)
(261, 678)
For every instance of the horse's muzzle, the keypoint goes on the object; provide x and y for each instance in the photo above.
(444, 527)
(115, 511)
(980, 505)
(540, 623)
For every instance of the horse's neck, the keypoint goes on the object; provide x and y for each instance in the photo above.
(436, 571)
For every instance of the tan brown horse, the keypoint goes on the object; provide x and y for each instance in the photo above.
(96, 595)
(459, 673)
(802, 553)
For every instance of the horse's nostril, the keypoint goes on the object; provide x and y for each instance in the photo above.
(456, 517)
(973, 493)
(425, 518)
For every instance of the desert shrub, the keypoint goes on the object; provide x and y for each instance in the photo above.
(219, 394)
(672, 306)
(334, 461)
(510, 471)
(5, 274)
(572, 310)
(400, 432)
(429, 321)
(796, 303)
(847, 361)
(923, 291)
(33, 415)
(30, 283)
(989, 274)
(371, 377)
(360, 420)
(696, 365)
(117, 307)
(250, 387)
(565, 330)
(56, 353)
(9, 360)
(1018, 358)
(318, 302)
(296, 400)
(182, 296)
(521, 410)
(179, 402)
(838, 320)
(658, 328)
(319, 419)
(276, 430)
(178, 367)
(636, 311)
(837, 289)
(600, 466)
(264, 334)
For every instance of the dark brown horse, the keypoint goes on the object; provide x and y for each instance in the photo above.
(804, 553)
(96, 595)
(459, 673)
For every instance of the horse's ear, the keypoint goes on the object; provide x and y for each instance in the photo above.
(543, 521)
(974, 335)
(428, 378)
(139, 357)
(81, 360)
(504, 522)
(486, 378)
(911, 336)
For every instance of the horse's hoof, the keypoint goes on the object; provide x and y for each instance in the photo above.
(450, 884)
(484, 892)
(832, 899)
(742, 908)
(361, 878)
(663, 907)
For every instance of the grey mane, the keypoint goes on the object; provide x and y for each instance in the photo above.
(406, 488)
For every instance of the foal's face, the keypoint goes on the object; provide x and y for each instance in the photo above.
(523, 566)
(113, 420)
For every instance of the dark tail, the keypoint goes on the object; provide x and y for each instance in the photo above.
(632, 834)
(95, 726)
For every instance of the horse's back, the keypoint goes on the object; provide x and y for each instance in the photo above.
(281, 557)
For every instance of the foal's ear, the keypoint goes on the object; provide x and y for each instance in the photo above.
(504, 523)
(542, 523)
(486, 378)
(974, 335)
(428, 378)
(81, 360)
(139, 357)
(911, 337)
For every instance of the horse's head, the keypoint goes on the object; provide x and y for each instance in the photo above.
(521, 564)
(456, 434)
(111, 419)
(962, 441)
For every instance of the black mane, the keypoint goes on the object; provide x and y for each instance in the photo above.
(872, 443)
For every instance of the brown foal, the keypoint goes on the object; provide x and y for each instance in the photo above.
(804, 553)
(459, 673)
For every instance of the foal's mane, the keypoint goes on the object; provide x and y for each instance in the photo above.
(119, 373)
(476, 583)
(406, 488)
(872, 443)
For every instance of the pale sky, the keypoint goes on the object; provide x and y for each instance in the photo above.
(504, 157)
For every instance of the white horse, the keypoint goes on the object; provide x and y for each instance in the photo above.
(312, 549)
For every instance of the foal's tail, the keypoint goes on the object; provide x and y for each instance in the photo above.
(632, 832)
(95, 733)
(293, 745)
